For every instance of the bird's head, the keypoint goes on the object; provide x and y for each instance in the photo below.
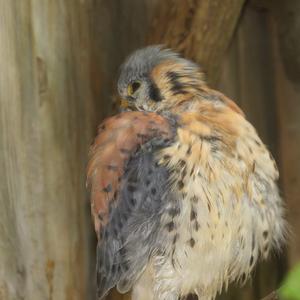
(156, 79)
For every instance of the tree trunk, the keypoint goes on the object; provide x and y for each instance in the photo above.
(286, 32)
(46, 118)
(252, 87)
(201, 30)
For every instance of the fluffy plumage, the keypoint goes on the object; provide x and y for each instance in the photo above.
(184, 192)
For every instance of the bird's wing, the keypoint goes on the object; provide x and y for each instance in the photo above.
(127, 189)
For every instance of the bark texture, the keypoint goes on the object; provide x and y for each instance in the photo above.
(286, 57)
(45, 128)
(252, 87)
(201, 30)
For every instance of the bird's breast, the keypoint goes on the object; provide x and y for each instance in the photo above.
(223, 179)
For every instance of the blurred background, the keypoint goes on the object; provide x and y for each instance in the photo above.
(59, 63)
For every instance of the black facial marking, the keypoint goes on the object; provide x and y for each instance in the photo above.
(173, 76)
(155, 93)
(176, 86)
(178, 89)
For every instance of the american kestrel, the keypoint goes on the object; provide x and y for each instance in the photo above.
(183, 191)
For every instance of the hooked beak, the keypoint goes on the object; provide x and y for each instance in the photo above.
(127, 104)
(124, 103)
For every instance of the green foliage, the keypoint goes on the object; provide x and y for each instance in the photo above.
(290, 289)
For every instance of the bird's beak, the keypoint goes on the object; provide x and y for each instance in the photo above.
(124, 103)
(127, 104)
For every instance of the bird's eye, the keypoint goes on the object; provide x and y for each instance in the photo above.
(133, 87)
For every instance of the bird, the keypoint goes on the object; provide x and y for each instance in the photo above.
(184, 193)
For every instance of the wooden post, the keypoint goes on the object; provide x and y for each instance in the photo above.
(201, 30)
(46, 116)
(286, 28)
(252, 87)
